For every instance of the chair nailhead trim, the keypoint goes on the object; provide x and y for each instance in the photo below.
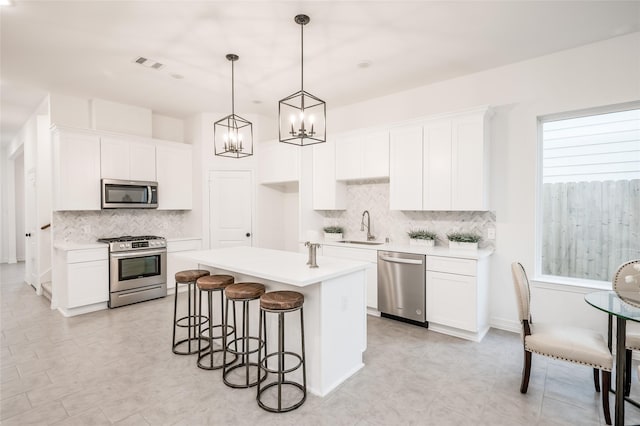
(599, 367)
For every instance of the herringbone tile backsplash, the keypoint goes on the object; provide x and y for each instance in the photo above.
(394, 224)
(88, 226)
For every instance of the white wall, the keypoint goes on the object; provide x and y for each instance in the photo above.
(19, 206)
(603, 73)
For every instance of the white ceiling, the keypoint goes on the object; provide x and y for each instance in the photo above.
(87, 48)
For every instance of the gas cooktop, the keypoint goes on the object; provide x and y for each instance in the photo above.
(130, 243)
(126, 238)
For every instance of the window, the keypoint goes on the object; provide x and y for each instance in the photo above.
(589, 205)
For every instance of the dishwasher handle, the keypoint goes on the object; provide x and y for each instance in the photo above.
(400, 260)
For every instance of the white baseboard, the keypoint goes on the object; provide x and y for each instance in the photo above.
(505, 324)
(71, 312)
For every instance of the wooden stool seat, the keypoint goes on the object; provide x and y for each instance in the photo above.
(214, 282)
(190, 275)
(244, 291)
(281, 300)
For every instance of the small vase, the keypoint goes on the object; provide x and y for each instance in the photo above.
(332, 237)
(456, 245)
(418, 242)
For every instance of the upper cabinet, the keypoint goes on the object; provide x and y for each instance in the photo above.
(279, 163)
(174, 176)
(76, 170)
(126, 159)
(363, 156)
(405, 177)
(442, 164)
(327, 193)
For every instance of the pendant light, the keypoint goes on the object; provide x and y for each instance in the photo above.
(233, 135)
(302, 116)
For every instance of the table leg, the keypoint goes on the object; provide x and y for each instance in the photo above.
(621, 325)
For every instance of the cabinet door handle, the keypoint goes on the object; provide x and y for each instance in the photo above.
(248, 234)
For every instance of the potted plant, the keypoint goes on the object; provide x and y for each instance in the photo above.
(421, 237)
(333, 233)
(463, 240)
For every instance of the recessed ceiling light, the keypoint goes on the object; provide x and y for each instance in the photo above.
(177, 76)
(6, 3)
(364, 64)
(257, 101)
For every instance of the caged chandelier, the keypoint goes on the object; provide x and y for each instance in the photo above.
(302, 116)
(233, 135)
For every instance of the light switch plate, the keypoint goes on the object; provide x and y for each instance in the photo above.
(491, 233)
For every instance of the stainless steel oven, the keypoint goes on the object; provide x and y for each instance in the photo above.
(137, 269)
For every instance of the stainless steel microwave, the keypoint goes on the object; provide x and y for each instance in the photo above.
(129, 194)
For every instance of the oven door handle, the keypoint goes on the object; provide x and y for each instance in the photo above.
(140, 253)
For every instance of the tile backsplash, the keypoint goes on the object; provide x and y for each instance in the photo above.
(88, 226)
(394, 224)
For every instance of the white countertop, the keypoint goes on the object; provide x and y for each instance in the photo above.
(276, 265)
(173, 239)
(69, 245)
(430, 251)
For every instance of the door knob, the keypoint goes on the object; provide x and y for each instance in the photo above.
(248, 234)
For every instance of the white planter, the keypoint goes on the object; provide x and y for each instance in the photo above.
(417, 242)
(332, 237)
(455, 245)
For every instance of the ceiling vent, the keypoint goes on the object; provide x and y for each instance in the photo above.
(149, 63)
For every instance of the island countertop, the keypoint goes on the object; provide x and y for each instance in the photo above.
(276, 265)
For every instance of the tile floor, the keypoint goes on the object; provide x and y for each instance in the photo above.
(116, 367)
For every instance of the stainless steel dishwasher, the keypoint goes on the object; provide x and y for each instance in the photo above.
(401, 286)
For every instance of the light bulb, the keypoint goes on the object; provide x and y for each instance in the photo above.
(293, 119)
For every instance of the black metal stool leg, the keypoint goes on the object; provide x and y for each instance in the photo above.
(175, 316)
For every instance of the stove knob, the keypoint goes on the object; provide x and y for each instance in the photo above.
(121, 245)
(153, 243)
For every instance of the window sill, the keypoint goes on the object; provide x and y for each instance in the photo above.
(573, 285)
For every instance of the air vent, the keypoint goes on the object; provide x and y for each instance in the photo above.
(149, 63)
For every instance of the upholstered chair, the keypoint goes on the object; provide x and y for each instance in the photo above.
(633, 344)
(573, 344)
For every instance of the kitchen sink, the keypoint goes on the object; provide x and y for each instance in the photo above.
(368, 243)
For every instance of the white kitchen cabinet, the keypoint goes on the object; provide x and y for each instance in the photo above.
(365, 255)
(76, 170)
(363, 156)
(436, 164)
(80, 280)
(328, 194)
(175, 176)
(441, 164)
(470, 161)
(405, 168)
(121, 158)
(279, 163)
(457, 296)
(175, 263)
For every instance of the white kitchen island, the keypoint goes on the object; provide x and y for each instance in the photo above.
(334, 305)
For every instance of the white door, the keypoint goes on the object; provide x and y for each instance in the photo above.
(31, 230)
(230, 208)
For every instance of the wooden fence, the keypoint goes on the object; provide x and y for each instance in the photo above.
(590, 228)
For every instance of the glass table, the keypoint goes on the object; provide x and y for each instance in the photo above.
(612, 304)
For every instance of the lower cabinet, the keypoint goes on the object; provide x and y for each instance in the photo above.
(175, 263)
(457, 296)
(365, 255)
(80, 280)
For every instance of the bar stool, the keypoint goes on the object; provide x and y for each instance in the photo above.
(192, 322)
(242, 293)
(281, 302)
(213, 284)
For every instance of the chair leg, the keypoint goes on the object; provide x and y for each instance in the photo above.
(596, 379)
(526, 372)
(606, 387)
(627, 373)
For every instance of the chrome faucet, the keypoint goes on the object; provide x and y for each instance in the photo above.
(362, 225)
